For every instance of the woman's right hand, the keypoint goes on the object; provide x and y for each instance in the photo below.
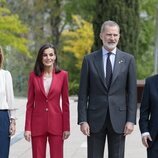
(27, 135)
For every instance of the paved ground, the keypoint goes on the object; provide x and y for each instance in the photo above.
(75, 146)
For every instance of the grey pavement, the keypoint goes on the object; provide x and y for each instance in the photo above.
(75, 146)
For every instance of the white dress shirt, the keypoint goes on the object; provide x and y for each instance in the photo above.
(112, 58)
(145, 134)
(6, 93)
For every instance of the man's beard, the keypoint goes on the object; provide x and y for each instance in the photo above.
(110, 45)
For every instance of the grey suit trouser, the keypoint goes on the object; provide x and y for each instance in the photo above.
(96, 142)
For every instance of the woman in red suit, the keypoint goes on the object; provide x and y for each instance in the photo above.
(47, 111)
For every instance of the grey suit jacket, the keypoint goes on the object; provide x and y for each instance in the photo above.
(94, 97)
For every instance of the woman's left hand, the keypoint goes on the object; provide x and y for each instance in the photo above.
(66, 134)
(12, 128)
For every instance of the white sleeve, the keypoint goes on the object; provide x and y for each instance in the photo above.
(10, 94)
(145, 134)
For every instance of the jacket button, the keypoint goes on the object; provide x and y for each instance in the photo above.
(46, 109)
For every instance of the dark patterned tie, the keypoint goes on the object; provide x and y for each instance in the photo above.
(108, 71)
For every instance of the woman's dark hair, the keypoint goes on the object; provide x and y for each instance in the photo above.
(39, 67)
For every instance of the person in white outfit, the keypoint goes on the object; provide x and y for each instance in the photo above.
(7, 109)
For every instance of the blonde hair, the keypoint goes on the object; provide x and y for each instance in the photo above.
(1, 57)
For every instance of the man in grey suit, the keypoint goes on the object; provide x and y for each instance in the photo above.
(107, 95)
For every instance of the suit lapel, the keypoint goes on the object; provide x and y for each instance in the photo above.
(54, 76)
(98, 62)
(41, 85)
(119, 60)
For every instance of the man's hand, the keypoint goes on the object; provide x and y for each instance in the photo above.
(129, 127)
(145, 140)
(85, 129)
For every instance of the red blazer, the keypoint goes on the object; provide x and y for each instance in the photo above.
(48, 113)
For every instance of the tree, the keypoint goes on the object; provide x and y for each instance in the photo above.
(145, 62)
(126, 14)
(12, 31)
(76, 41)
(83, 8)
(45, 19)
(54, 21)
(14, 41)
(82, 34)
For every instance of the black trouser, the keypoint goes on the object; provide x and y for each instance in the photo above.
(4, 134)
(116, 142)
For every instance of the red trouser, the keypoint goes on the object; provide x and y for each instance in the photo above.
(39, 146)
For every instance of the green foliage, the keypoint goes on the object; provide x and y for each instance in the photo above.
(19, 68)
(83, 8)
(2, 2)
(82, 34)
(137, 22)
(126, 14)
(13, 39)
(76, 42)
(145, 60)
(145, 65)
(68, 62)
(12, 31)
(73, 87)
(54, 21)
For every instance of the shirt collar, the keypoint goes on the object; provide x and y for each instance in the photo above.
(106, 51)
